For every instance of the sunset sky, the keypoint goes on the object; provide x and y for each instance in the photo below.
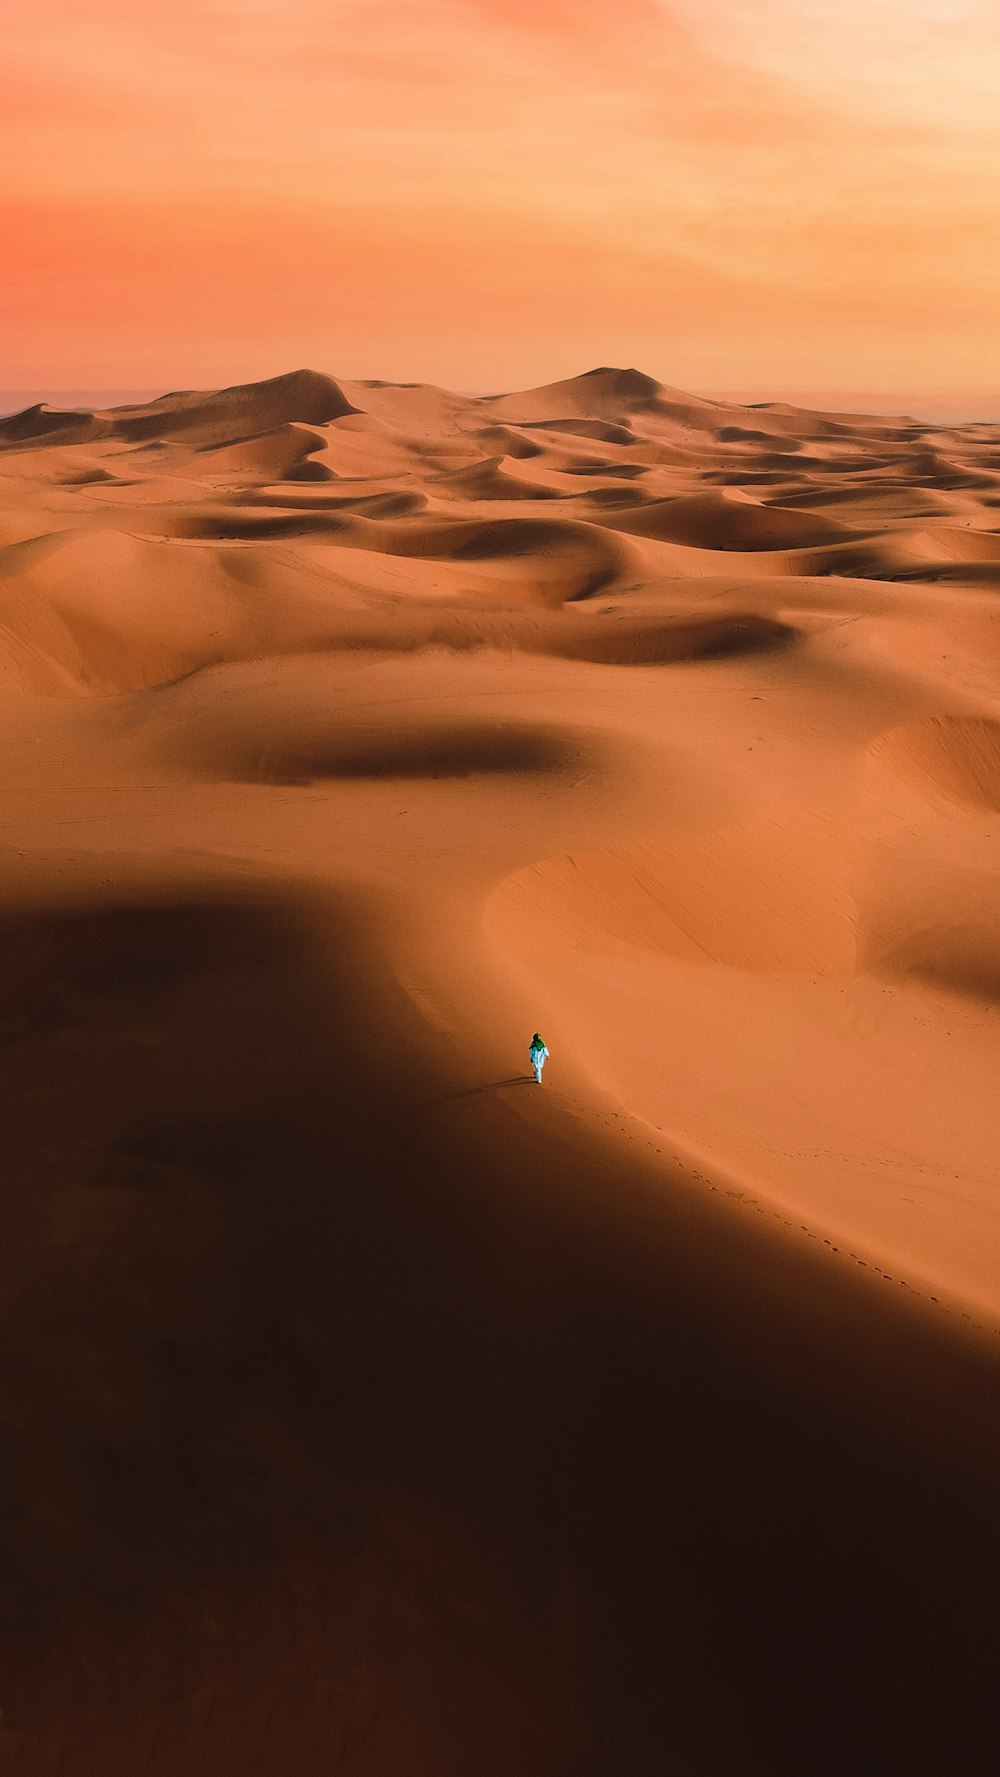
(762, 195)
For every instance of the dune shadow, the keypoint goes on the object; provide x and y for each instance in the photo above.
(331, 1427)
(724, 636)
(245, 752)
(491, 1086)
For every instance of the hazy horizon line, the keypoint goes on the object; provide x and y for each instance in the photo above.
(931, 404)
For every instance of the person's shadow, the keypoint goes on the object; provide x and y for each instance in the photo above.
(492, 1086)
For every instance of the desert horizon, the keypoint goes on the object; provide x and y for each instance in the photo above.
(968, 407)
(360, 1390)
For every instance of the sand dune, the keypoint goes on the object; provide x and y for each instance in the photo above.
(41, 423)
(602, 394)
(489, 480)
(303, 396)
(282, 454)
(368, 1409)
(731, 521)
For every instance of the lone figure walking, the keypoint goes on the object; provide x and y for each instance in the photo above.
(538, 1055)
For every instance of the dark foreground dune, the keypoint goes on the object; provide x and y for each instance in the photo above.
(370, 1425)
(367, 1409)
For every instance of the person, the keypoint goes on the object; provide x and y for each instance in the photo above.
(538, 1055)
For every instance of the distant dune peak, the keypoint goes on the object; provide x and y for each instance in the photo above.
(41, 421)
(316, 397)
(630, 381)
(307, 397)
(604, 393)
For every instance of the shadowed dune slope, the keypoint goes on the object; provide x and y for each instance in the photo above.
(432, 1406)
(43, 424)
(302, 396)
(285, 750)
(602, 394)
(284, 452)
(718, 521)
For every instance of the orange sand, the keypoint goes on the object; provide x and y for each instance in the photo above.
(368, 1410)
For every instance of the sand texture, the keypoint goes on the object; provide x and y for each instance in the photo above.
(368, 1410)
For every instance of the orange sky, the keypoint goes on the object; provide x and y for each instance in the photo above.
(753, 194)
